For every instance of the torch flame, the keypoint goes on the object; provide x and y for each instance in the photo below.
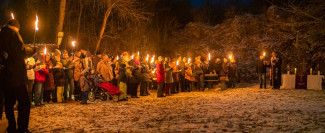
(230, 57)
(36, 23)
(209, 56)
(264, 54)
(147, 57)
(73, 43)
(12, 16)
(153, 59)
(189, 60)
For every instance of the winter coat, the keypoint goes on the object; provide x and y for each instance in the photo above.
(225, 69)
(182, 67)
(69, 66)
(145, 72)
(175, 72)
(77, 69)
(160, 71)
(40, 75)
(260, 67)
(30, 69)
(233, 70)
(189, 75)
(96, 60)
(136, 72)
(15, 68)
(106, 70)
(59, 76)
(84, 83)
(169, 73)
(49, 83)
(122, 75)
(197, 68)
(128, 71)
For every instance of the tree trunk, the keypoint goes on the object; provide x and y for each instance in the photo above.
(79, 19)
(61, 16)
(108, 12)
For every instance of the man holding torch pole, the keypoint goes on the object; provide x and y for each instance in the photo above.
(14, 85)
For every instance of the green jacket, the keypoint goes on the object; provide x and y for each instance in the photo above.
(69, 66)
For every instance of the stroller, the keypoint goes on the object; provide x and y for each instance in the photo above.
(100, 88)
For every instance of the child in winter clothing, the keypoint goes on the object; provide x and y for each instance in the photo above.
(122, 80)
(85, 85)
(59, 80)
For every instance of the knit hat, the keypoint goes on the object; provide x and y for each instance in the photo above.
(14, 23)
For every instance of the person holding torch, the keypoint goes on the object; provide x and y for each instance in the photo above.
(14, 71)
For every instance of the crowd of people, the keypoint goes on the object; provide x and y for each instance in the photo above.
(36, 76)
(62, 77)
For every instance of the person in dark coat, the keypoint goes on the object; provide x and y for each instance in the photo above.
(122, 80)
(14, 83)
(261, 71)
(135, 79)
(182, 67)
(68, 64)
(232, 73)
(49, 86)
(276, 63)
(145, 79)
(97, 58)
(59, 80)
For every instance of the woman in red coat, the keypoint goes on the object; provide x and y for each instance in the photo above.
(160, 76)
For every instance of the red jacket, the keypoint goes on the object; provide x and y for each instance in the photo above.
(160, 72)
(40, 76)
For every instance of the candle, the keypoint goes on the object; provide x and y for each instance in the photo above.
(318, 72)
(73, 43)
(295, 70)
(264, 54)
(28, 60)
(36, 23)
(311, 71)
(189, 60)
(177, 63)
(45, 51)
(138, 53)
(12, 16)
(209, 56)
(132, 57)
(116, 57)
(230, 57)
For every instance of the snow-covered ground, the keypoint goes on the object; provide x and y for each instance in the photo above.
(235, 110)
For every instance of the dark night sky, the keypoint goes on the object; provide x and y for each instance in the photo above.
(197, 3)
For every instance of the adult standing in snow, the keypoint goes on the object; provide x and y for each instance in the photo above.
(261, 71)
(160, 76)
(15, 76)
(105, 69)
(276, 63)
(134, 80)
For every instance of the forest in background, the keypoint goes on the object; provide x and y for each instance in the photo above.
(294, 28)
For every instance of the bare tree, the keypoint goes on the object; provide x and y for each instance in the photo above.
(127, 10)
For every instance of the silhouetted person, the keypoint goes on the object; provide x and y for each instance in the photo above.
(14, 84)
(276, 70)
